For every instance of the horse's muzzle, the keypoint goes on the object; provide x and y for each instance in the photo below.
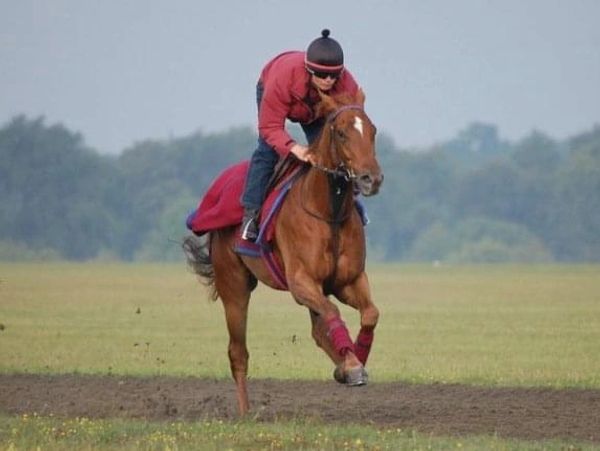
(369, 183)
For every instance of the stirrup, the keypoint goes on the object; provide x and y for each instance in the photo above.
(249, 229)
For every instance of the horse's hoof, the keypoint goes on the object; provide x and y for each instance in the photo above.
(357, 376)
(339, 375)
(354, 377)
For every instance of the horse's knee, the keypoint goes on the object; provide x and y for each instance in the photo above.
(330, 311)
(238, 358)
(318, 304)
(369, 317)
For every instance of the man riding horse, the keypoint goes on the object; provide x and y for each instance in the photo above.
(288, 88)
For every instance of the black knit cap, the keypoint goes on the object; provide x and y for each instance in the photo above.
(325, 54)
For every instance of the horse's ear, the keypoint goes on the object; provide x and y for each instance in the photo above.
(326, 105)
(360, 97)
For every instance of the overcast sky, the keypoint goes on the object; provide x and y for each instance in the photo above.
(120, 71)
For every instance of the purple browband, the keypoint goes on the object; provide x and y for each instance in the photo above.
(341, 109)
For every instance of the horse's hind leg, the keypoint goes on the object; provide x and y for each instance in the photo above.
(234, 284)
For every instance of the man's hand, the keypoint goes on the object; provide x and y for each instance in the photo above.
(301, 152)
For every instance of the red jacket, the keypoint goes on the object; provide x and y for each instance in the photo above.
(288, 94)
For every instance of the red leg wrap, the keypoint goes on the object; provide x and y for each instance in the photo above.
(363, 343)
(339, 336)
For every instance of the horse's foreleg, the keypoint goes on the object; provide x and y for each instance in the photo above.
(308, 293)
(319, 333)
(358, 296)
(329, 329)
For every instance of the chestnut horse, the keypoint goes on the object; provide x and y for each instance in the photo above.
(320, 242)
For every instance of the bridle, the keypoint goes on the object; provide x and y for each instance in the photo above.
(341, 170)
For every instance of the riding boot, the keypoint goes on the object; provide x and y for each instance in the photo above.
(250, 225)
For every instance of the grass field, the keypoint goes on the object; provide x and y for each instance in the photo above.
(32, 432)
(484, 325)
(488, 325)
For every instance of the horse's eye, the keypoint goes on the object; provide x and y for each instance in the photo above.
(340, 134)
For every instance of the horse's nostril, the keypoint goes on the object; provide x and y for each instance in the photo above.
(366, 178)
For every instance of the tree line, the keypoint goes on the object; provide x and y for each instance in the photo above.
(474, 198)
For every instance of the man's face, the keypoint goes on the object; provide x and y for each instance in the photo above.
(324, 84)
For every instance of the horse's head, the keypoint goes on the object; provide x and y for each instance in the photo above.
(348, 141)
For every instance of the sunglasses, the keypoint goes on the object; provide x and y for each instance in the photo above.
(324, 75)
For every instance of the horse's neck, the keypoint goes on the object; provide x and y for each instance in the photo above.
(322, 148)
(327, 194)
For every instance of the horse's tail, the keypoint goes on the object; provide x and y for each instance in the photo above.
(196, 250)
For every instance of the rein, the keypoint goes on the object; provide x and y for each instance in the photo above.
(340, 171)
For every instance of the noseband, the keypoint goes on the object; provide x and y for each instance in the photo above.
(341, 170)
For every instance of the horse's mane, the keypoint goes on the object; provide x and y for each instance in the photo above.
(343, 98)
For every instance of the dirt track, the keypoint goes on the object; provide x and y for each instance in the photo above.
(438, 409)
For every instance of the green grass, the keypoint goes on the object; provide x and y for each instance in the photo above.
(49, 433)
(505, 325)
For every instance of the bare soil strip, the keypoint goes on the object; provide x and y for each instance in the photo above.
(525, 413)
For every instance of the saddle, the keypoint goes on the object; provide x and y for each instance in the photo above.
(220, 207)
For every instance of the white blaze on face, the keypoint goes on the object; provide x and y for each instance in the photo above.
(358, 125)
